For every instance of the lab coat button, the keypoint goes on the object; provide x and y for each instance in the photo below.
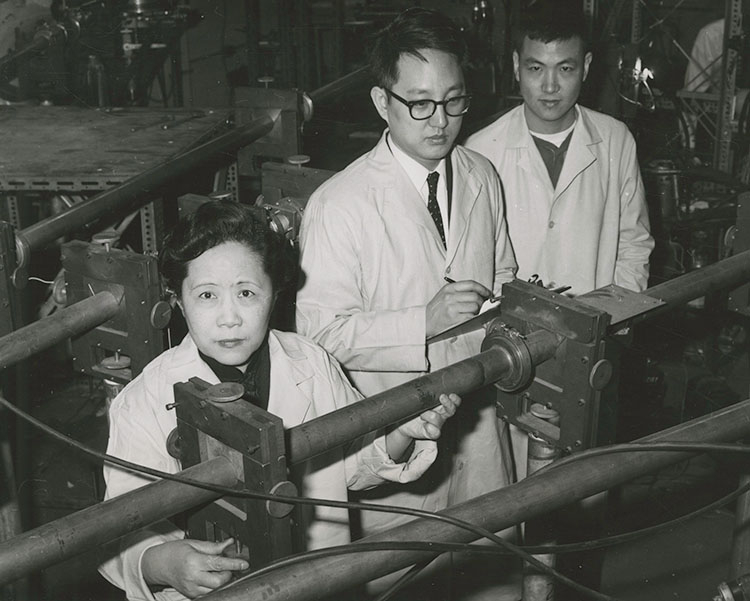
(448, 269)
(551, 224)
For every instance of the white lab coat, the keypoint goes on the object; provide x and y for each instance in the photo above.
(305, 383)
(592, 229)
(371, 260)
(703, 72)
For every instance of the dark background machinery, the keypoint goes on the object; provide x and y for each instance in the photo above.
(192, 66)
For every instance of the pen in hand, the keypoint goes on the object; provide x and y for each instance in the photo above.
(492, 298)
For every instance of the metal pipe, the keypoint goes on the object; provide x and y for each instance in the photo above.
(532, 497)
(62, 324)
(334, 89)
(87, 529)
(726, 274)
(409, 399)
(132, 194)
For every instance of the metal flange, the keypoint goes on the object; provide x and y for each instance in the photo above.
(513, 344)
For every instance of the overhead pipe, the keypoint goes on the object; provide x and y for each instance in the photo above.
(131, 195)
(530, 498)
(79, 532)
(61, 325)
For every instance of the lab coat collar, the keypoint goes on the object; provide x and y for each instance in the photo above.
(291, 374)
(466, 190)
(408, 202)
(411, 205)
(291, 378)
(580, 155)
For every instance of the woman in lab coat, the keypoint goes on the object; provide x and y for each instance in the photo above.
(227, 268)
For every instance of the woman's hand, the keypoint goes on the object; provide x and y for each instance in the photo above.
(193, 567)
(429, 425)
(426, 426)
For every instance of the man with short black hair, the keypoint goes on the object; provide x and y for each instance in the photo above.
(575, 201)
(380, 240)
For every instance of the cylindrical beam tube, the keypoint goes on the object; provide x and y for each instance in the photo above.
(64, 323)
(495, 511)
(726, 274)
(86, 529)
(342, 85)
(408, 399)
(132, 194)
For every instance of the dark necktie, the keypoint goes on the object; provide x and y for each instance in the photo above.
(432, 204)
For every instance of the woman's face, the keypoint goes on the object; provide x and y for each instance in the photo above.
(227, 298)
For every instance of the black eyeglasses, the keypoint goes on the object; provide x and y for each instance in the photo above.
(424, 109)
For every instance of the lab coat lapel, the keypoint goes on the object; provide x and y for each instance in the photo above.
(395, 193)
(466, 190)
(529, 160)
(291, 384)
(579, 156)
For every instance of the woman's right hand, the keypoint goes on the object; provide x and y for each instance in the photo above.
(193, 567)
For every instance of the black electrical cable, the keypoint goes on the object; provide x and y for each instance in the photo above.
(360, 547)
(405, 579)
(482, 532)
(619, 539)
(637, 447)
(621, 448)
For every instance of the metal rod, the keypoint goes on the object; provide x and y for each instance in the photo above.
(62, 324)
(87, 529)
(495, 511)
(134, 193)
(408, 399)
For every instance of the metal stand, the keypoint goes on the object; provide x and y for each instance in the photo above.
(538, 586)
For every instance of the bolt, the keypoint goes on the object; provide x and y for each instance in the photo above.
(581, 402)
(578, 443)
(584, 360)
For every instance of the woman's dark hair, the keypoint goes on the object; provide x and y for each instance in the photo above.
(413, 30)
(216, 222)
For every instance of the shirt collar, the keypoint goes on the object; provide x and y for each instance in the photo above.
(559, 137)
(416, 171)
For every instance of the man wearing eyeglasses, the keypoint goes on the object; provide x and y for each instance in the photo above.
(380, 240)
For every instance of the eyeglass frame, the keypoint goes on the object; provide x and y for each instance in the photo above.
(435, 103)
